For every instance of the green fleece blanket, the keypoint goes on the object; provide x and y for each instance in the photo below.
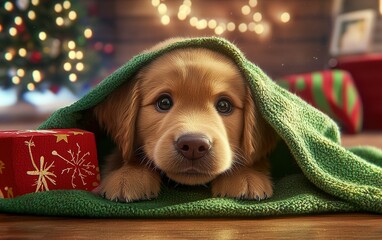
(313, 173)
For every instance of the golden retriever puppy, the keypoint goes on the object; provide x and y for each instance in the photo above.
(189, 114)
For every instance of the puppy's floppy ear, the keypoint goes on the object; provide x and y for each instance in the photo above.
(117, 115)
(258, 138)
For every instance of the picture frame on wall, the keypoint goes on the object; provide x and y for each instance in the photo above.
(352, 32)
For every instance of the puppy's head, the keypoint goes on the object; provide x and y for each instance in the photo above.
(191, 113)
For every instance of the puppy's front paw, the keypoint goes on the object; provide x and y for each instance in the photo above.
(130, 183)
(243, 184)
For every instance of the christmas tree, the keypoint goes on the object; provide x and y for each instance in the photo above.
(44, 44)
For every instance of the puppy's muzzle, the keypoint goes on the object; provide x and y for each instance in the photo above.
(193, 146)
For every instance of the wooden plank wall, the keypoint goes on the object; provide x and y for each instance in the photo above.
(300, 45)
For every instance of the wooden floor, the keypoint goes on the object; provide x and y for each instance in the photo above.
(351, 226)
(336, 226)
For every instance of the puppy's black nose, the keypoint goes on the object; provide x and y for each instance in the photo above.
(193, 146)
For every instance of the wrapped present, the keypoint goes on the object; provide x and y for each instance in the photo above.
(331, 91)
(43, 160)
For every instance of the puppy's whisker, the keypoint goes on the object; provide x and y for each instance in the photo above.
(143, 159)
(139, 152)
(238, 161)
(239, 157)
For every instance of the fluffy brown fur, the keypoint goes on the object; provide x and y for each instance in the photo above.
(173, 118)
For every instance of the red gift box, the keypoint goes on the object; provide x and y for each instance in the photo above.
(366, 72)
(43, 160)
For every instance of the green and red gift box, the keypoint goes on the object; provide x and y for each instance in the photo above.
(43, 160)
(331, 91)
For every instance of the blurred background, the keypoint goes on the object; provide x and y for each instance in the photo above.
(52, 52)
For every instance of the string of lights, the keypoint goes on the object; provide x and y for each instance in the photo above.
(30, 43)
(256, 22)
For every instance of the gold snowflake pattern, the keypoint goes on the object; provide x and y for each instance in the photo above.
(44, 176)
(77, 165)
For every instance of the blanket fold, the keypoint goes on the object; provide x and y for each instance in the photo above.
(313, 173)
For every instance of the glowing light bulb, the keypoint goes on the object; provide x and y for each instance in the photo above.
(59, 21)
(185, 9)
(257, 17)
(8, 56)
(182, 16)
(72, 54)
(259, 28)
(88, 33)
(245, 10)
(8, 6)
(31, 87)
(18, 20)
(36, 74)
(219, 30)
(193, 21)
(231, 26)
(202, 24)
(67, 66)
(72, 77)
(162, 8)
(155, 3)
(72, 15)
(80, 66)
(58, 7)
(35, 2)
(212, 23)
(31, 15)
(285, 17)
(1, 28)
(252, 3)
(16, 80)
(165, 19)
(66, 4)
(12, 31)
(71, 45)
(79, 55)
(22, 52)
(20, 72)
(42, 36)
(243, 27)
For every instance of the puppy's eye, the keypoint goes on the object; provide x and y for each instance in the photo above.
(224, 106)
(164, 103)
